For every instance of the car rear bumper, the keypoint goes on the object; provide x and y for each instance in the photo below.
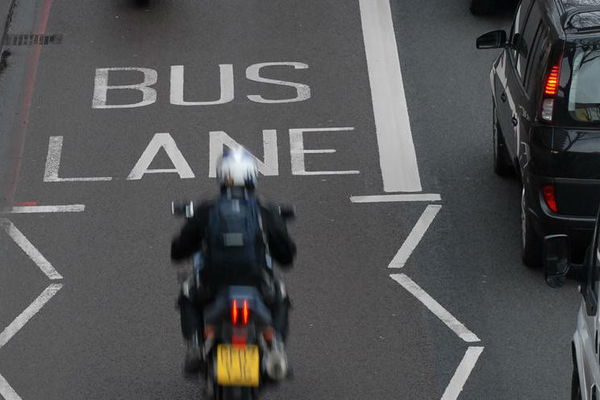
(546, 222)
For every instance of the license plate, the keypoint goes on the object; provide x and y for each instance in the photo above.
(238, 366)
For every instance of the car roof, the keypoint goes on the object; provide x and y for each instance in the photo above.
(578, 17)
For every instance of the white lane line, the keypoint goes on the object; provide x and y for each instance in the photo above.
(7, 391)
(45, 209)
(462, 373)
(55, 144)
(436, 308)
(386, 198)
(415, 236)
(29, 249)
(18, 323)
(397, 156)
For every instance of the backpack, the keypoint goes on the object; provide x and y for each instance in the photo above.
(235, 245)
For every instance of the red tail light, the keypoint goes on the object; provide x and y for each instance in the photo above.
(234, 312)
(549, 197)
(245, 313)
(551, 87)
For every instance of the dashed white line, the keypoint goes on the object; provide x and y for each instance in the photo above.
(387, 198)
(397, 156)
(7, 391)
(70, 208)
(415, 236)
(462, 373)
(18, 323)
(29, 249)
(436, 308)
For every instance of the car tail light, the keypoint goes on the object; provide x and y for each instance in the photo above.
(551, 87)
(549, 197)
(550, 92)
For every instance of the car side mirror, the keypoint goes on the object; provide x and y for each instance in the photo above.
(492, 40)
(556, 259)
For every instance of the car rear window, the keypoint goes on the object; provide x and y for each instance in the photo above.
(579, 98)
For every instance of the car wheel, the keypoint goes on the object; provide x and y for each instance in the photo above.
(502, 164)
(531, 243)
(575, 386)
(483, 7)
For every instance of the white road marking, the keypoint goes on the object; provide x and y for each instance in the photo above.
(18, 323)
(7, 391)
(415, 236)
(177, 87)
(302, 90)
(386, 198)
(45, 209)
(101, 87)
(462, 373)
(436, 308)
(161, 141)
(29, 249)
(297, 151)
(397, 156)
(268, 167)
(55, 144)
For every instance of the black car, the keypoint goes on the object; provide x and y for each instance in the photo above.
(546, 117)
(484, 7)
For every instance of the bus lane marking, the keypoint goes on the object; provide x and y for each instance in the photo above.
(42, 263)
(69, 208)
(397, 155)
(7, 391)
(436, 308)
(19, 322)
(389, 198)
(462, 373)
(415, 236)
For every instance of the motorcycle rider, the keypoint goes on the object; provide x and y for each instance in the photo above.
(237, 176)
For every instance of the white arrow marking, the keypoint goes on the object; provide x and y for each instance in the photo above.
(462, 373)
(436, 308)
(7, 391)
(19, 322)
(29, 249)
(45, 209)
(415, 236)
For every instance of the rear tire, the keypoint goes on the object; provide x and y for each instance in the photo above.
(502, 163)
(531, 243)
(483, 7)
(575, 387)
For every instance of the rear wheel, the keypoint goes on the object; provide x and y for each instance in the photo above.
(483, 7)
(502, 163)
(531, 243)
(575, 386)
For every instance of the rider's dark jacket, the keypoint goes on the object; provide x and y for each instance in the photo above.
(190, 240)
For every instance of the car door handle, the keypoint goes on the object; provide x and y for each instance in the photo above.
(515, 121)
(503, 96)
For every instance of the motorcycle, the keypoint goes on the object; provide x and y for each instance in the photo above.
(239, 341)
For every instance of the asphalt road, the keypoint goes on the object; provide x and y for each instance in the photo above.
(111, 331)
